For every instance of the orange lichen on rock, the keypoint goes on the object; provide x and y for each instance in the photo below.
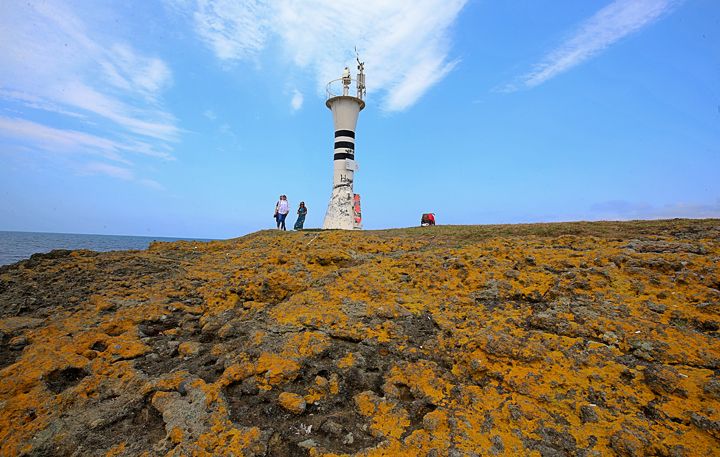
(347, 361)
(176, 435)
(422, 380)
(306, 344)
(116, 450)
(237, 372)
(387, 418)
(230, 441)
(547, 339)
(292, 402)
(302, 309)
(276, 369)
(189, 348)
(317, 391)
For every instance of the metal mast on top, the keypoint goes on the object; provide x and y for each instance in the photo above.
(360, 77)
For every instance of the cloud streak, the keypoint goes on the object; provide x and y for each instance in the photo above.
(74, 143)
(297, 100)
(234, 30)
(104, 95)
(52, 57)
(55, 140)
(608, 26)
(59, 140)
(114, 171)
(405, 43)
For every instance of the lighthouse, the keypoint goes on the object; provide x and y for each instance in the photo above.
(343, 211)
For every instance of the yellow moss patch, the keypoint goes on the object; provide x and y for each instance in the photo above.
(318, 390)
(276, 369)
(189, 348)
(127, 349)
(116, 450)
(225, 440)
(292, 402)
(306, 344)
(176, 435)
(387, 419)
(347, 361)
(421, 377)
(237, 372)
(170, 381)
(334, 384)
(100, 303)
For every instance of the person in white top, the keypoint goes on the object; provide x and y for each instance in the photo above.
(282, 208)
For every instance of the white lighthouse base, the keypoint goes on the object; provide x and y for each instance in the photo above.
(340, 214)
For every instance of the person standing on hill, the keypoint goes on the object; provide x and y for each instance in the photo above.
(302, 211)
(275, 214)
(282, 209)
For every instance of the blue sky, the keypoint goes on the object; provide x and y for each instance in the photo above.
(188, 118)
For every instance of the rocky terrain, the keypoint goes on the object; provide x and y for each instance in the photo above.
(582, 339)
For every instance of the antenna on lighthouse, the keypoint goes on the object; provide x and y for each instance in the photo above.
(360, 76)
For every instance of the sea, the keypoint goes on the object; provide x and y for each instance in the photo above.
(16, 246)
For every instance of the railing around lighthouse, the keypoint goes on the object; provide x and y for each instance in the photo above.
(343, 86)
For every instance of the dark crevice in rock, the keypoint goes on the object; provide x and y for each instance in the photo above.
(8, 353)
(155, 327)
(99, 346)
(62, 379)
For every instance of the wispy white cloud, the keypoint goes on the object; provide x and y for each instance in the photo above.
(210, 114)
(83, 96)
(609, 25)
(54, 60)
(59, 140)
(35, 102)
(152, 184)
(297, 100)
(129, 71)
(36, 136)
(55, 140)
(49, 53)
(117, 172)
(405, 44)
(234, 30)
(114, 171)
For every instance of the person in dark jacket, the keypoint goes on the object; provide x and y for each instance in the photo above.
(302, 211)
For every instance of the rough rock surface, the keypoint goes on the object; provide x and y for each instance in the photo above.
(583, 339)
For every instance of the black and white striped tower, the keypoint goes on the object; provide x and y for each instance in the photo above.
(343, 209)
